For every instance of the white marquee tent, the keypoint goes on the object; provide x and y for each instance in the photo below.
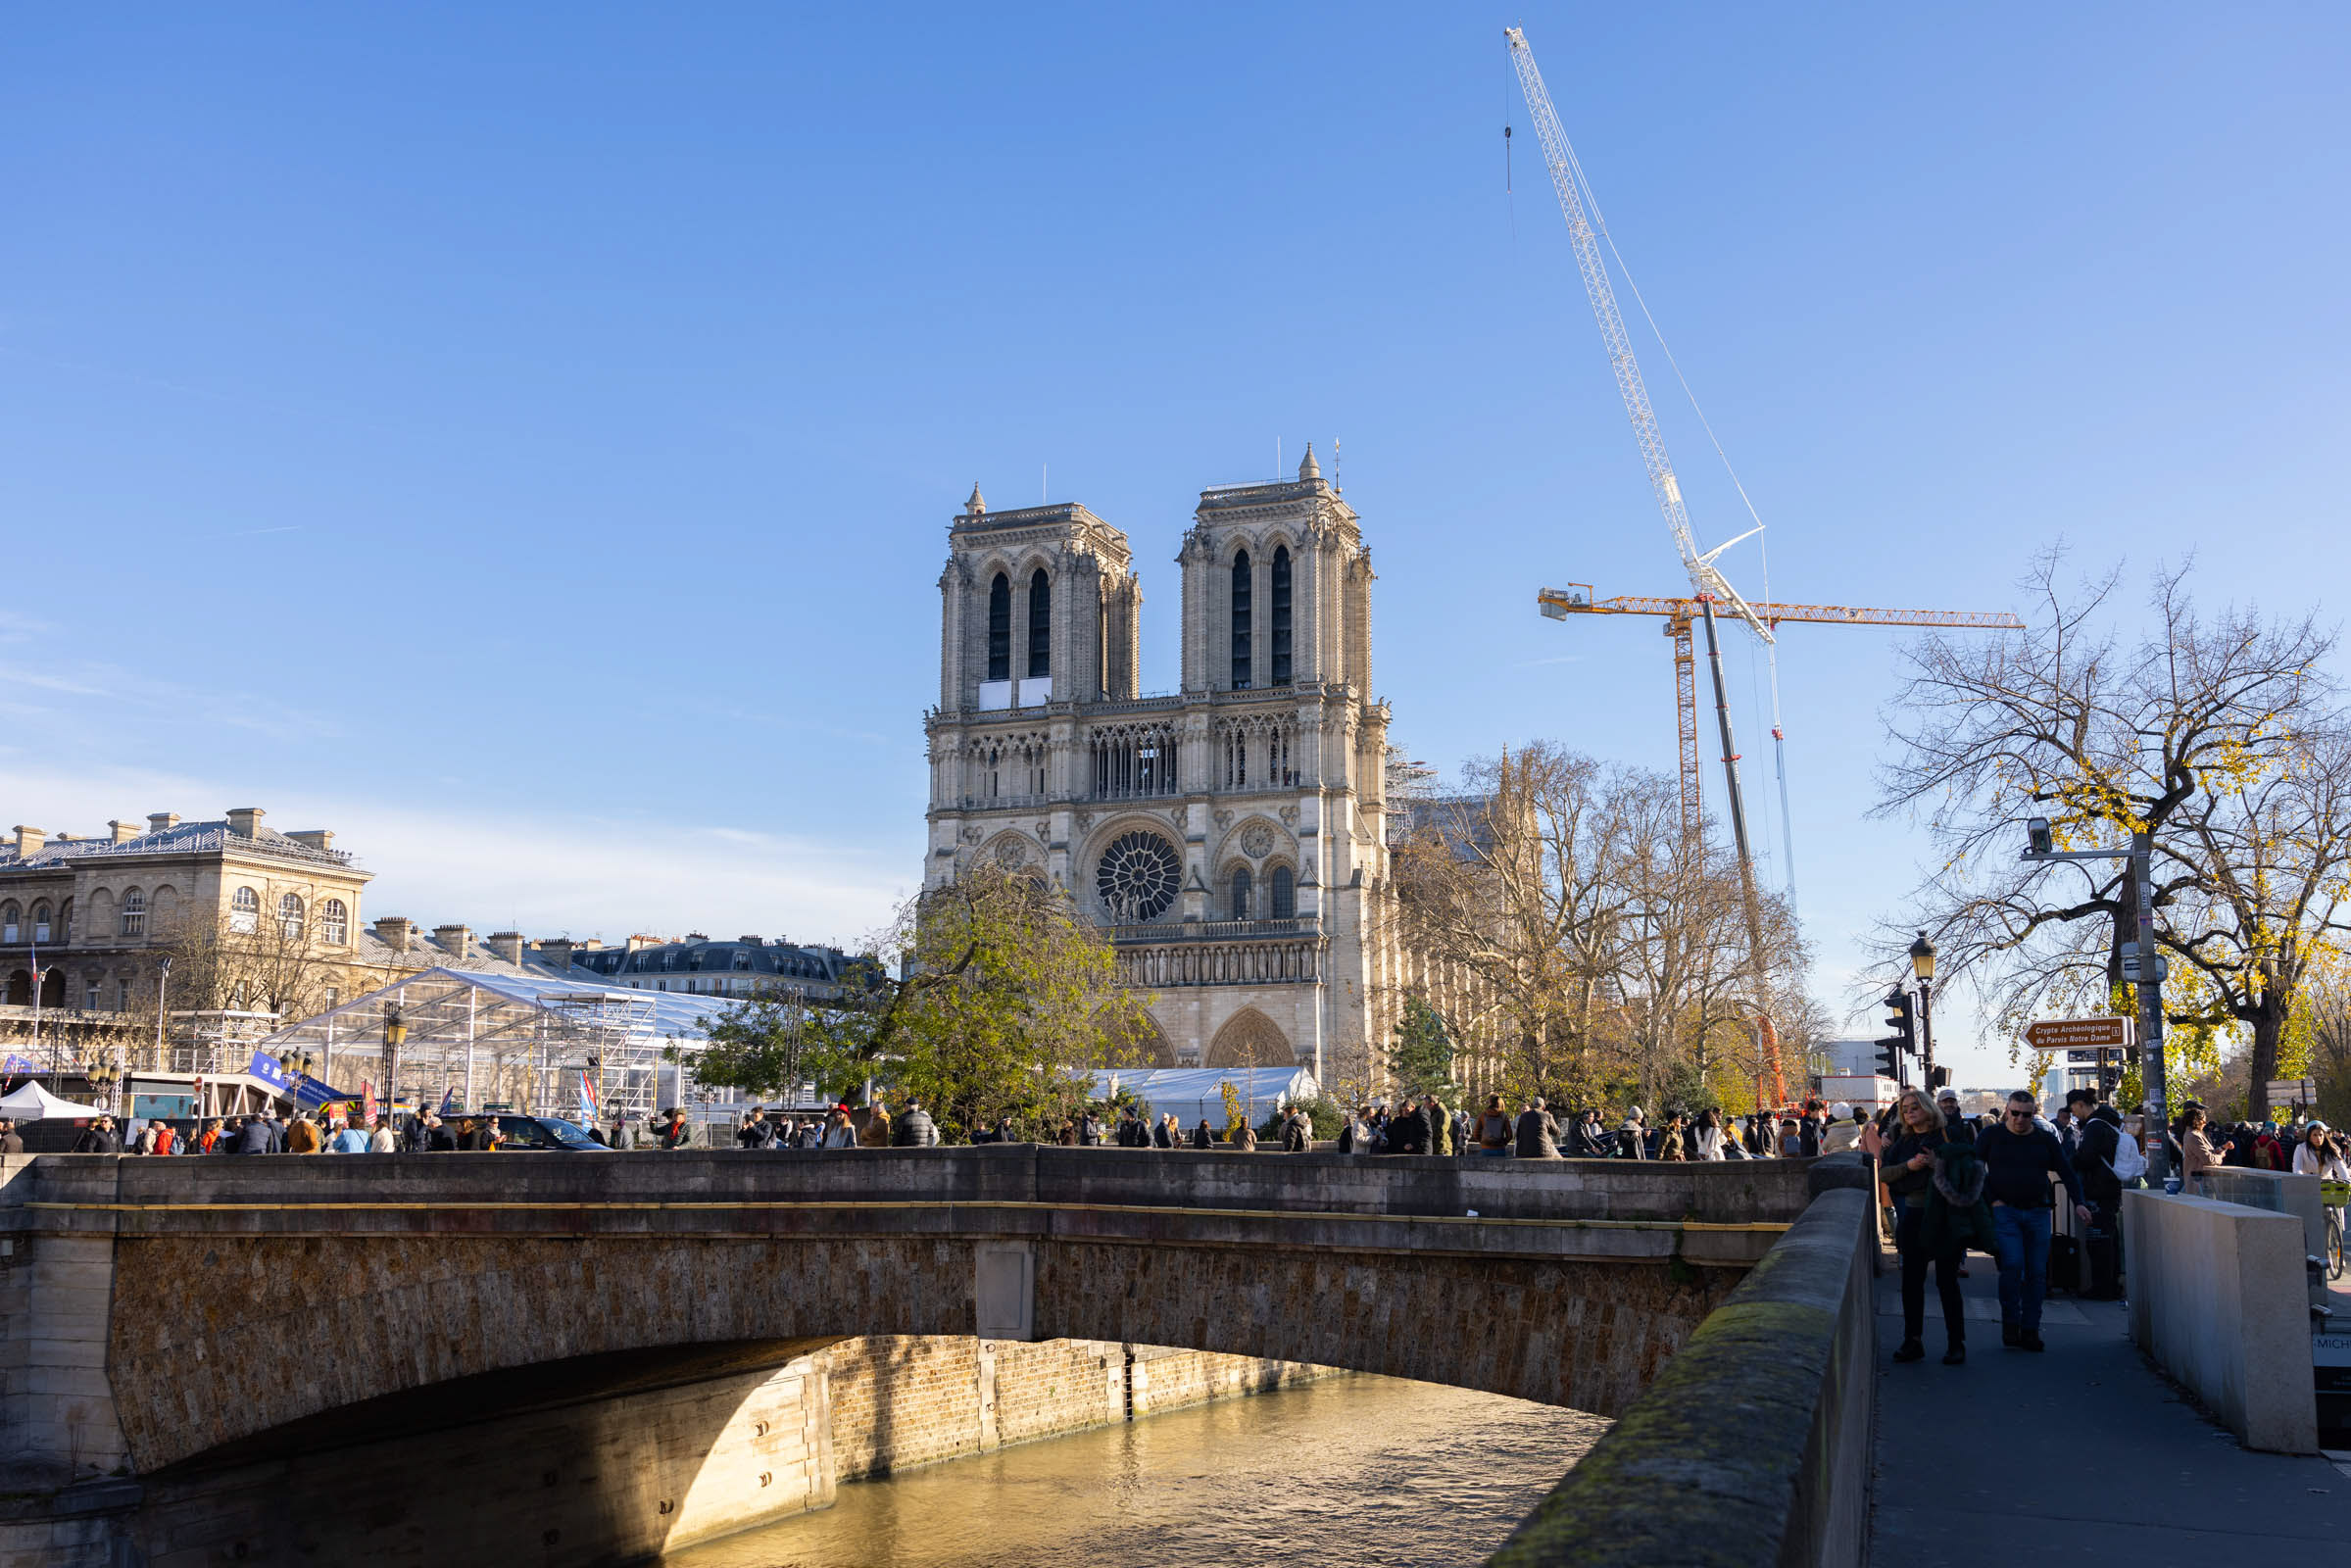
(32, 1103)
(1196, 1092)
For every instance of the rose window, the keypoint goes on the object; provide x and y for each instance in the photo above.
(1138, 876)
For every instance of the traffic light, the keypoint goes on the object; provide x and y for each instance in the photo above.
(1903, 1040)
(1939, 1080)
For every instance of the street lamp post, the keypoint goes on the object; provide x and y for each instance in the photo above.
(163, 978)
(2143, 967)
(1921, 964)
(395, 1036)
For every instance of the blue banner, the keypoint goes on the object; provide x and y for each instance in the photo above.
(17, 1064)
(264, 1067)
(311, 1093)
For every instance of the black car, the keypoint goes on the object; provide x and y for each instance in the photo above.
(542, 1135)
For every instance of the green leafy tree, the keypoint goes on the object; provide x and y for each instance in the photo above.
(1422, 1059)
(985, 999)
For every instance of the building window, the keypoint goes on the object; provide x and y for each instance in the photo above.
(40, 922)
(65, 921)
(134, 913)
(11, 928)
(1279, 674)
(1000, 628)
(1240, 620)
(1240, 892)
(89, 997)
(245, 912)
(1138, 876)
(742, 958)
(668, 960)
(1040, 625)
(290, 917)
(122, 996)
(334, 922)
(334, 997)
(1284, 895)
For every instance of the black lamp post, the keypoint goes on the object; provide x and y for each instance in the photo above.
(1921, 964)
(395, 1036)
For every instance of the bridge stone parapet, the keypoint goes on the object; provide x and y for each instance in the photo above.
(237, 1296)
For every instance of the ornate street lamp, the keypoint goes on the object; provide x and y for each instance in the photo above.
(1921, 964)
(395, 1036)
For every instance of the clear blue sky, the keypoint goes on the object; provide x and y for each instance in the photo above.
(523, 440)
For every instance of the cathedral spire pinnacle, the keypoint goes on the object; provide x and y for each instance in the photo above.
(978, 504)
(1309, 468)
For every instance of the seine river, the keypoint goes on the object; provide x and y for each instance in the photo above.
(1355, 1470)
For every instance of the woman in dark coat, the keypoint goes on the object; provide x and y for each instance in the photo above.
(1906, 1167)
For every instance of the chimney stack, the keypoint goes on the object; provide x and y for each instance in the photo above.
(556, 954)
(245, 821)
(508, 944)
(458, 939)
(395, 931)
(124, 832)
(161, 822)
(30, 841)
(317, 838)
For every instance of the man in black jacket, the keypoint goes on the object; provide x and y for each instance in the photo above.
(2018, 1158)
(1408, 1131)
(914, 1128)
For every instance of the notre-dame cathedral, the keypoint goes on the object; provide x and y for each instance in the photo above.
(1230, 836)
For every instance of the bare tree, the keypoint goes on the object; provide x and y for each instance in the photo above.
(2217, 736)
(1604, 945)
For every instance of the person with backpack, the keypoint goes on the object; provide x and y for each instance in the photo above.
(2102, 1154)
(1492, 1130)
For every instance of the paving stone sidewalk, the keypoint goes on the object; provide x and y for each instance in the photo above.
(2082, 1453)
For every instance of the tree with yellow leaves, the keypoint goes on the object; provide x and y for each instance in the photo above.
(2220, 736)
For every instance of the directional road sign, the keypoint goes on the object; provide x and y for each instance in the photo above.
(2081, 1034)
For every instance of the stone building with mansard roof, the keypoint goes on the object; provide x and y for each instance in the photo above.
(1229, 836)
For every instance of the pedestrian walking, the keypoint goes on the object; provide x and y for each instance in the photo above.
(381, 1139)
(1201, 1136)
(2018, 1158)
(1906, 1170)
(1495, 1133)
(11, 1141)
(304, 1137)
(1707, 1139)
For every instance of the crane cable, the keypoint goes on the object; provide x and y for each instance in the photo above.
(1599, 222)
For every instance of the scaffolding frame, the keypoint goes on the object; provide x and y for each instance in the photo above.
(481, 1040)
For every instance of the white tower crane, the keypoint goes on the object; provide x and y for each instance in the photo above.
(1708, 584)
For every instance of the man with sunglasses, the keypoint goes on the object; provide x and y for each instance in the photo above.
(2019, 1157)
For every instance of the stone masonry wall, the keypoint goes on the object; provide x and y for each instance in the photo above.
(610, 1480)
(899, 1401)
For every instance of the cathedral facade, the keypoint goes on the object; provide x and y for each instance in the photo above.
(1230, 837)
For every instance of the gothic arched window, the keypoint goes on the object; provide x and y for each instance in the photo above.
(1279, 674)
(1040, 625)
(134, 913)
(1241, 618)
(1240, 892)
(1284, 895)
(1000, 628)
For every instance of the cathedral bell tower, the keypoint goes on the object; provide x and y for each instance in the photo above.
(1038, 606)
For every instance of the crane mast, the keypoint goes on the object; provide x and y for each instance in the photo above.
(1708, 586)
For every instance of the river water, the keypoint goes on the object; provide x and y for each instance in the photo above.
(1353, 1470)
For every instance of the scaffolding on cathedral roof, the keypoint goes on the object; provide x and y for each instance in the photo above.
(535, 1041)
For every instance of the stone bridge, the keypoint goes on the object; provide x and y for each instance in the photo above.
(158, 1317)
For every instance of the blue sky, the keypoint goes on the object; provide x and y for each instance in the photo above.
(522, 440)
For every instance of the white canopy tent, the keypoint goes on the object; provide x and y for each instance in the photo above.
(32, 1103)
(1192, 1094)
